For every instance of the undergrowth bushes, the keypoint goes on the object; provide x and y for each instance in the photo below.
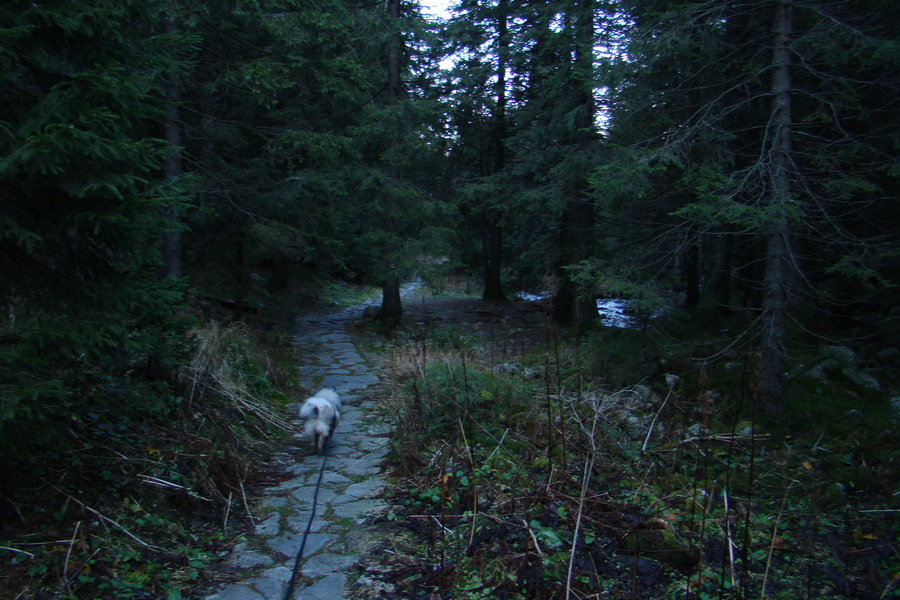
(143, 480)
(539, 479)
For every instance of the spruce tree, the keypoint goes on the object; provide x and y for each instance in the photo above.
(525, 115)
(391, 203)
(482, 41)
(765, 129)
(83, 209)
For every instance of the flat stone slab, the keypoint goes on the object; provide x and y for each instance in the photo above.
(331, 478)
(326, 359)
(359, 508)
(379, 454)
(306, 494)
(299, 523)
(350, 416)
(329, 588)
(313, 371)
(349, 383)
(359, 468)
(332, 373)
(363, 489)
(273, 583)
(290, 484)
(269, 527)
(326, 563)
(272, 502)
(372, 444)
(236, 591)
(289, 544)
(379, 430)
(243, 558)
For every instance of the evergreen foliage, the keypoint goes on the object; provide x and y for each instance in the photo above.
(82, 210)
(524, 112)
(729, 175)
(721, 155)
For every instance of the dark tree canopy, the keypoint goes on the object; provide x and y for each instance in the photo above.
(740, 155)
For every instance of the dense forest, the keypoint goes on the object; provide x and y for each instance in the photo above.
(731, 165)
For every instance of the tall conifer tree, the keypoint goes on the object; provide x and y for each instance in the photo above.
(83, 207)
(766, 124)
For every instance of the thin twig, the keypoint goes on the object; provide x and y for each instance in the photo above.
(65, 570)
(474, 483)
(653, 422)
(887, 588)
(588, 467)
(227, 510)
(246, 504)
(29, 554)
(168, 484)
(729, 541)
(499, 445)
(762, 593)
(444, 528)
(537, 546)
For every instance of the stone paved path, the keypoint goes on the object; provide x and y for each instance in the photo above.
(350, 486)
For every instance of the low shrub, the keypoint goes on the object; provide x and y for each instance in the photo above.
(141, 483)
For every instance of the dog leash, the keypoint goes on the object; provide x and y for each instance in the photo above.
(293, 582)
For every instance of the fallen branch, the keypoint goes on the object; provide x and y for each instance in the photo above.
(168, 484)
(718, 437)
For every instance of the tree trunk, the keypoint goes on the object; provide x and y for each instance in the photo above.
(576, 233)
(391, 305)
(778, 253)
(721, 284)
(492, 239)
(493, 247)
(692, 269)
(395, 86)
(172, 238)
(576, 241)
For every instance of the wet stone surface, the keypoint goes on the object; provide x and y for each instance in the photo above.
(351, 483)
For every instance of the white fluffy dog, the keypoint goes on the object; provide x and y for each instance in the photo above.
(321, 414)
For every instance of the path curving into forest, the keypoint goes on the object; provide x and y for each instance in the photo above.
(351, 485)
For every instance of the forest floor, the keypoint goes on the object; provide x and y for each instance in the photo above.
(449, 511)
(261, 566)
(484, 453)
